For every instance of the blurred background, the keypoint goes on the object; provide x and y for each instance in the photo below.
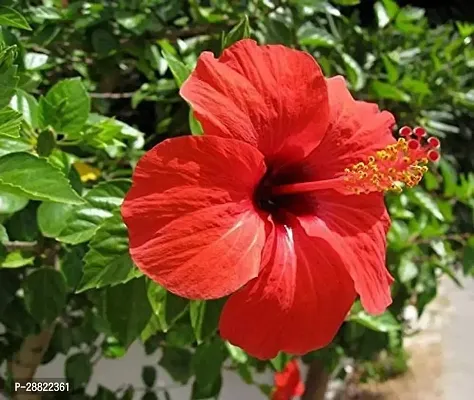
(91, 85)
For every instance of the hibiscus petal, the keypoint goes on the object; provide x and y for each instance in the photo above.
(288, 383)
(356, 227)
(271, 97)
(356, 130)
(192, 224)
(298, 301)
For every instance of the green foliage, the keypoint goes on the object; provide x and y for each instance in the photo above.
(81, 82)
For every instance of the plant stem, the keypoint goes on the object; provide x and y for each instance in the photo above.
(317, 381)
(26, 361)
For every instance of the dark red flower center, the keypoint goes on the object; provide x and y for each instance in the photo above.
(279, 205)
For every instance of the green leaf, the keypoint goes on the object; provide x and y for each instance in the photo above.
(65, 107)
(148, 375)
(177, 362)
(428, 203)
(407, 270)
(153, 327)
(382, 323)
(468, 257)
(167, 306)
(10, 204)
(72, 266)
(385, 90)
(45, 294)
(108, 261)
(279, 362)
(103, 42)
(11, 17)
(35, 60)
(15, 259)
(101, 201)
(3, 234)
(194, 124)
(309, 35)
(10, 122)
(34, 178)
(205, 317)
(212, 355)
(236, 353)
(13, 145)
(46, 143)
(179, 70)
(355, 74)
(383, 18)
(52, 218)
(26, 105)
(200, 392)
(238, 32)
(128, 310)
(8, 76)
(78, 370)
(347, 2)
(391, 68)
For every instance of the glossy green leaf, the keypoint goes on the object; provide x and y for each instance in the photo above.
(10, 203)
(238, 32)
(205, 317)
(45, 294)
(382, 323)
(355, 74)
(10, 122)
(179, 70)
(8, 75)
(428, 203)
(3, 234)
(26, 105)
(167, 306)
(108, 260)
(101, 201)
(28, 176)
(387, 91)
(236, 353)
(35, 60)
(279, 362)
(11, 17)
(16, 259)
(128, 310)
(65, 107)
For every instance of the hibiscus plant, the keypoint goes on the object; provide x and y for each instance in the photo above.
(246, 187)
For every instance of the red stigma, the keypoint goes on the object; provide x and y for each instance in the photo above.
(414, 144)
(405, 131)
(433, 155)
(419, 131)
(433, 142)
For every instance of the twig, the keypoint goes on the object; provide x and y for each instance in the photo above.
(126, 95)
(26, 246)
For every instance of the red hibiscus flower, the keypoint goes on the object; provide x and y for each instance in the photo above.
(288, 383)
(280, 204)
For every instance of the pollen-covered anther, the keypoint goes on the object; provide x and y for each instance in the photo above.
(397, 165)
